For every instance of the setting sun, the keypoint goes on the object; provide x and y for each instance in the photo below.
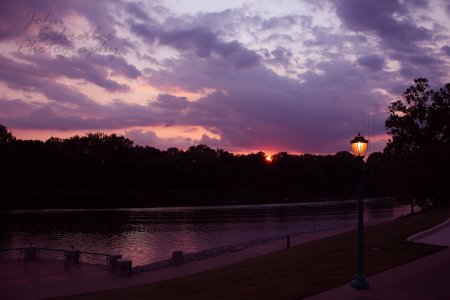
(269, 158)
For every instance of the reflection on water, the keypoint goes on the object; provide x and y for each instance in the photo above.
(151, 234)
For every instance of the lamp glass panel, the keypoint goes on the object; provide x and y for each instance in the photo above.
(359, 149)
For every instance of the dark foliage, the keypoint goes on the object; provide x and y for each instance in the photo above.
(417, 159)
(5, 135)
(420, 120)
(99, 162)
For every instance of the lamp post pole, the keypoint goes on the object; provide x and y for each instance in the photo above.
(359, 281)
(359, 148)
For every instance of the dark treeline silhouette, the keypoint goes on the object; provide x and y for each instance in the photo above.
(109, 170)
(99, 170)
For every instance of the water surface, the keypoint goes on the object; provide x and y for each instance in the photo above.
(151, 234)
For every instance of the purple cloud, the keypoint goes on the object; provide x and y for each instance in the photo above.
(262, 108)
(28, 77)
(281, 56)
(281, 22)
(53, 116)
(15, 107)
(419, 3)
(94, 71)
(446, 50)
(377, 17)
(171, 102)
(372, 62)
(201, 41)
(149, 138)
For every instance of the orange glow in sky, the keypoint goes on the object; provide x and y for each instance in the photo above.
(269, 158)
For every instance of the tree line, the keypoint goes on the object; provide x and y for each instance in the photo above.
(101, 162)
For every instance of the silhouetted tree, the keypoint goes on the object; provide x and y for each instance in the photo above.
(5, 135)
(417, 160)
(420, 119)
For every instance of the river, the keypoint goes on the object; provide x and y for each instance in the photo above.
(151, 234)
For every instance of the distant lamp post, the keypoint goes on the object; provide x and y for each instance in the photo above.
(359, 150)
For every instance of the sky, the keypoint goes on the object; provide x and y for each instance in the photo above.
(301, 76)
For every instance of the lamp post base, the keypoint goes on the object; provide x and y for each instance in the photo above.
(359, 282)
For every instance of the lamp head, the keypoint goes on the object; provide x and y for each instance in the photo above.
(359, 146)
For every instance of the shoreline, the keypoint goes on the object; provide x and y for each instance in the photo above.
(297, 238)
(224, 250)
(31, 200)
(42, 200)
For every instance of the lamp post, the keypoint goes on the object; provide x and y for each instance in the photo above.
(359, 150)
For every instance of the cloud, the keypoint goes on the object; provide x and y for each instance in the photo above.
(135, 9)
(280, 22)
(378, 17)
(150, 138)
(419, 3)
(166, 110)
(280, 37)
(281, 56)
(372, 62)
(14, 16)
(118, 66)
(28, 77)
(53, 116)
(446, 50)
(15, 107)
(171, 102)
(259, 108)
(202, 42)
(39, 68)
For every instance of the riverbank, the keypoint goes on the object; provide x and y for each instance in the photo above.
(300, 271)
(275, 242)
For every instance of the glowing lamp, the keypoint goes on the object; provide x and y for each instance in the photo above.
(359, 146)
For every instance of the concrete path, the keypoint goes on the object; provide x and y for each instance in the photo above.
(426, 278)
(42, 279)
(438, 235)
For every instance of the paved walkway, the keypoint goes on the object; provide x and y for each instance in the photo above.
(426, 278)
(51, 278)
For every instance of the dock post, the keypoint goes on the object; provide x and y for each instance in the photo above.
(177, 258)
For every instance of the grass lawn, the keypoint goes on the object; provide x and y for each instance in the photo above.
(299, 271)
